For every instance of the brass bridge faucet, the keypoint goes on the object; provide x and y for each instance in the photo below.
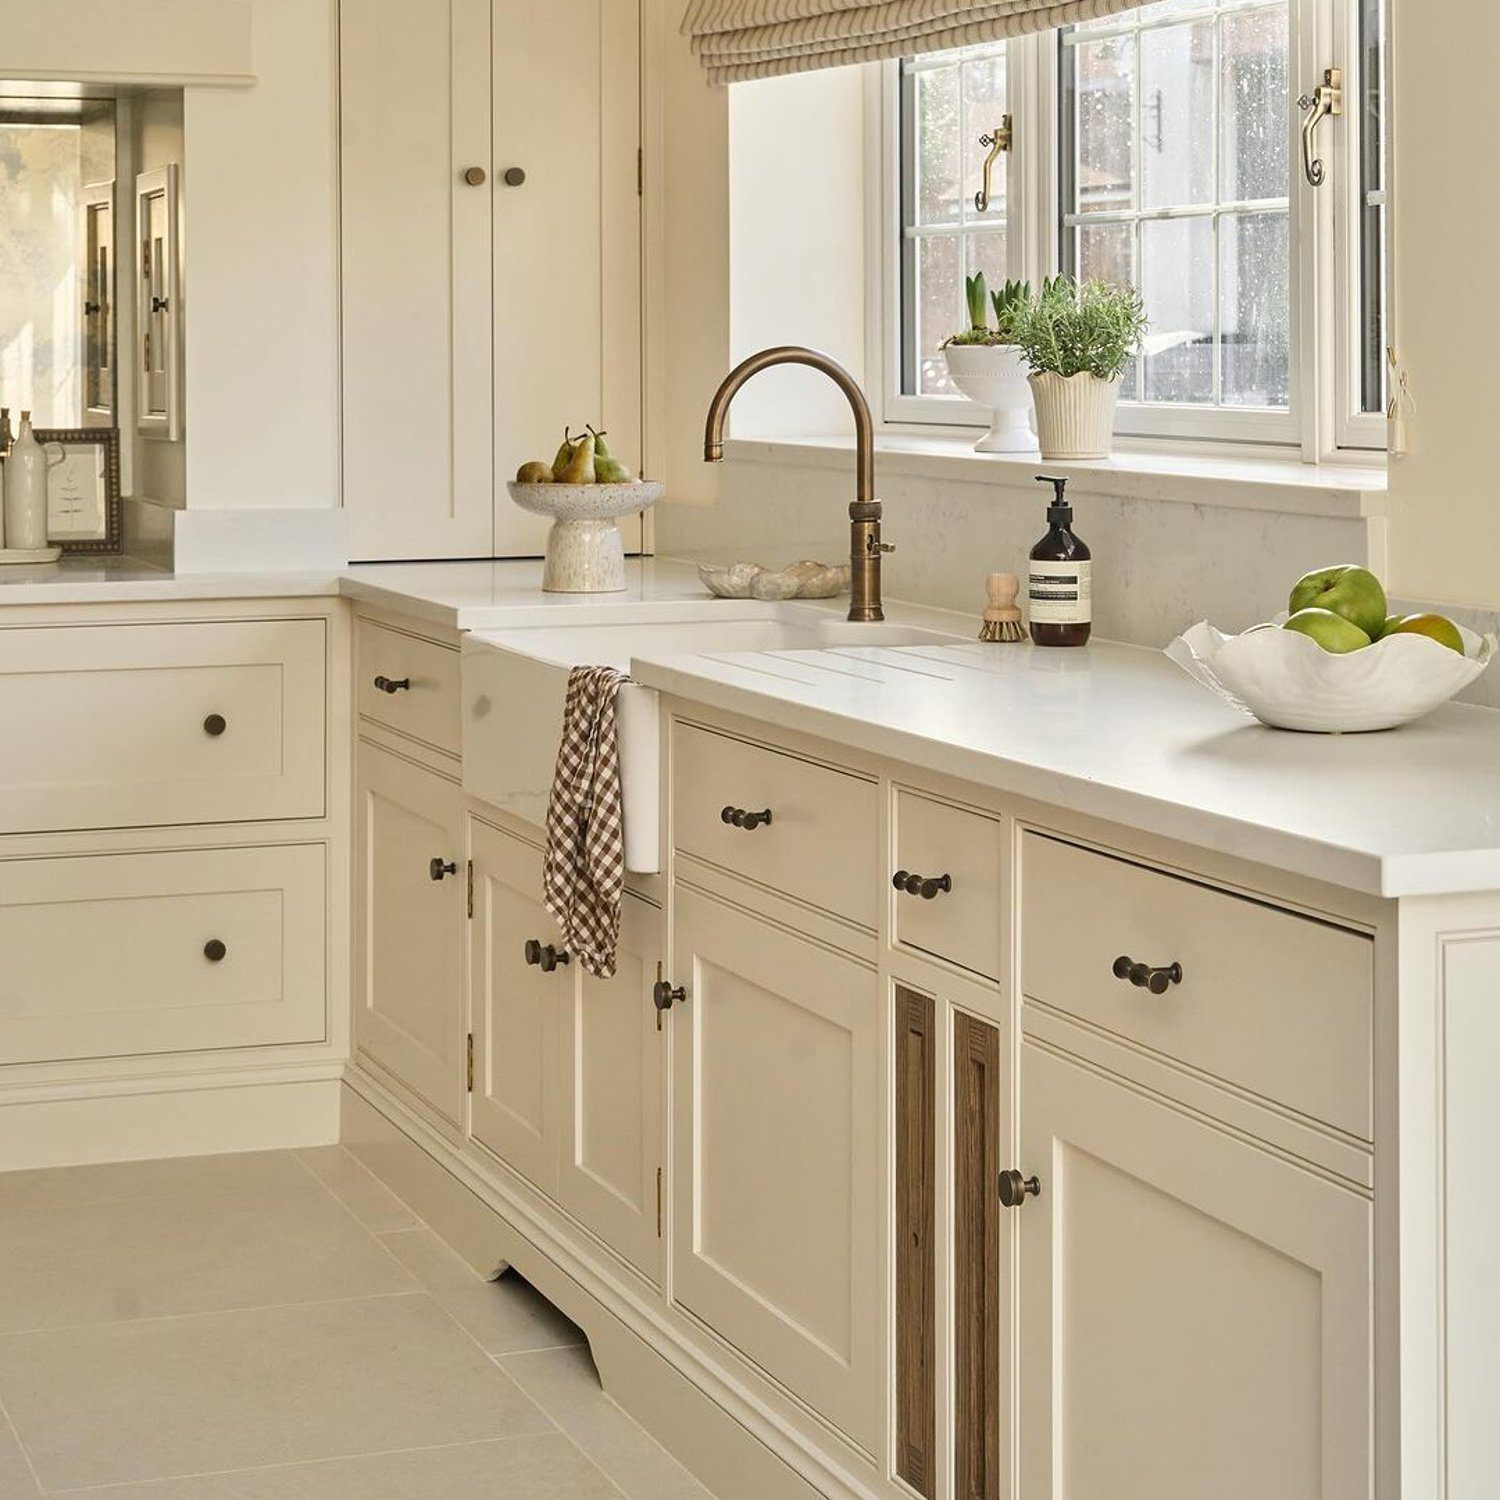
(865, 547)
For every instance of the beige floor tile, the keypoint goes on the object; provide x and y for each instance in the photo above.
(359, 1190)
(16, 1479)
(563, 1383)
(430, 1260)
(207, 1394)
(509, 1316)
(527, 1468)
(101, 1262)
(238, 1175)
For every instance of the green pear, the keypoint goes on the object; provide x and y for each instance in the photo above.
(607, 468)
(564, 453)
(535, 472)
(580, 467)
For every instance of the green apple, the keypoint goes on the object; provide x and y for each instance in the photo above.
(1391, 622)
(1332, 632)
(1355, 593)
(1439, 627)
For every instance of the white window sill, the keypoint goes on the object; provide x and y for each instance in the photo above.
(1232, 481)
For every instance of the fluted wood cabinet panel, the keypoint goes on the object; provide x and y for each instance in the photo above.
(977, 1095)
(916, 1266)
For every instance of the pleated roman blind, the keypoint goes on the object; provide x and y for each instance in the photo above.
(738, 39)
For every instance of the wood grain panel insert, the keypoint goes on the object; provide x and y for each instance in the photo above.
(976, 1169)
(916, 1284)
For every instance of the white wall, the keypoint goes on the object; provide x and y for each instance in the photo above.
(797, 243)
(262, 315)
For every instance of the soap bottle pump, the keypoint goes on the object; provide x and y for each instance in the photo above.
(1059, 589)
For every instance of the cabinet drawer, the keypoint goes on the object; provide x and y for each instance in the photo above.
(960, 918)
(111, 955)
(821, 845)
(421, 697)
(128, 726)
(1278, 1004)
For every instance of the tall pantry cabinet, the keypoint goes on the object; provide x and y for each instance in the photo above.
(491, 257)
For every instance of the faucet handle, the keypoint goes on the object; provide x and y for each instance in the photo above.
(874, 546)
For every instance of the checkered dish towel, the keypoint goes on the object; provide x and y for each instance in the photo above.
(584, 871)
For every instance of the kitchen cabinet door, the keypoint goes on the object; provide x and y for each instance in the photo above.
(567, 240)
(516, 1006)
(611, 1083)
(415, 246)
(778, 1229)
(409, 929)
(1195, 1312)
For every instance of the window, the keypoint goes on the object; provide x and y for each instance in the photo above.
(1162, 146)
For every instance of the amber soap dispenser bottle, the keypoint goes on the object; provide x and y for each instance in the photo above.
(1059, 589)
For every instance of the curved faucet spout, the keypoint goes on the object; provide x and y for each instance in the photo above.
(865, 546)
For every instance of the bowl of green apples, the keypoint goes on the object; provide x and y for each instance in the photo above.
(1336, 661)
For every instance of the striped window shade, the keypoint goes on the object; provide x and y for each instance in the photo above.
(739, 39)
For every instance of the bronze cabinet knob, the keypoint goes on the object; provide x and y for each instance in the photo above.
(737, 817)
(393, 684)
(664, 995)
(214, 951)
(1144, 977)
(1016, 1189)
(475, 176)
(215, 725)
(514, 176)
(437, 867)
(544, 956)
(928, 887)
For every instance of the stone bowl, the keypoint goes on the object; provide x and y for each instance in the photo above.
(584, 552)
(1287, 680)
(807, 579)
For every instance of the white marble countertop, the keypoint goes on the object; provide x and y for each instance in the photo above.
(1119, 733)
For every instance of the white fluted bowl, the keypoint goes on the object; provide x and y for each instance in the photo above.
(994, 376)
(1287, 680)
(585, 554)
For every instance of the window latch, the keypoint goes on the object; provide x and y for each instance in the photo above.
(1325, 100)
(998, 140)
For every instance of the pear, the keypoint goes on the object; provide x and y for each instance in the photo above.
(535, 472)
(607, 468)
(580, 467)
(564, 453)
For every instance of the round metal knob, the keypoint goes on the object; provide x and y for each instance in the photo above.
(739, 818)
(437, 867)
(515, 176)
(475, 176)
(1015, 1189)
(1144, 977)
(927, 887)
(664, 995)
(214, 951)
(215, 725)
(393, 684)
(544, 956)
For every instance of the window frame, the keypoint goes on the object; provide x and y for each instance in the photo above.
(1325, 419)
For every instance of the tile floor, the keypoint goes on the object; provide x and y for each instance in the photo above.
(278, 1326)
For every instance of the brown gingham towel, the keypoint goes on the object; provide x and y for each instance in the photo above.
(584, 871)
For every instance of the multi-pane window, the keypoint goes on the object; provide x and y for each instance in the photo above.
(1159, 146)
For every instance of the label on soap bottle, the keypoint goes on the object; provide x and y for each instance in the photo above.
(1060, 593)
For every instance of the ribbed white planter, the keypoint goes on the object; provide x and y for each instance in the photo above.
(1075, 414)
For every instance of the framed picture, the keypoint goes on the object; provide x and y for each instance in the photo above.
(83, 488)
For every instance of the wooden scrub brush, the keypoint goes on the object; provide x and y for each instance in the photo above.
(1002, 620)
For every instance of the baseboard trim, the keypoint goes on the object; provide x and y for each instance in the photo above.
(698, 1406)
(99, 1120)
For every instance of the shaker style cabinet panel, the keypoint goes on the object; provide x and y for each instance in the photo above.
(114, 955)
(129, 726)
(1195, 1312)
(777, 1108)
(491, 233)
(409, 929)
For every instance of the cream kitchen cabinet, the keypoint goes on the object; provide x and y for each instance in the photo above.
(409, 930)
(778, 1157)
(567, 1077)
(1195, 1310)
(490, 216)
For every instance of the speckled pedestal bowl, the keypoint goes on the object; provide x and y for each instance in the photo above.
(584, 552)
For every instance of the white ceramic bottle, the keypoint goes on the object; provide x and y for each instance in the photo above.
(26, 492)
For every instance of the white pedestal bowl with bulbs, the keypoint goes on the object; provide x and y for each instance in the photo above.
(585, 553)
(994, 376)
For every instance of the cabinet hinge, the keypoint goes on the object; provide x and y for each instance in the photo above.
(469, 1064)
(640, 171)
(471, 887)
(658, 1203)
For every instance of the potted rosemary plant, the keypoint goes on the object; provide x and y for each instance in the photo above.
(1077, 338)
(985, 364)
